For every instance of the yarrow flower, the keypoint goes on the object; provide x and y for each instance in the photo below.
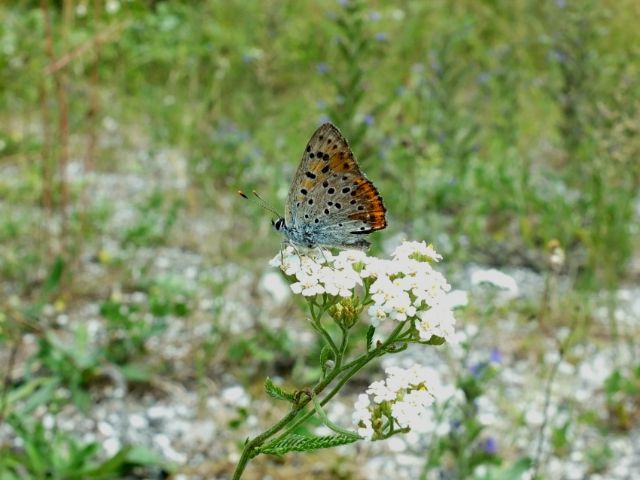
(323, 273)
(405, 287)
(437, 321)
(402, 401)
(416, 250)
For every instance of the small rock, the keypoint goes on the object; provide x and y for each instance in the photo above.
(138, 421)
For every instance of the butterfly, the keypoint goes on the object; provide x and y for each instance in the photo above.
(330, 203)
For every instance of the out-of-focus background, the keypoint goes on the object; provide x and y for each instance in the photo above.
(138, 314)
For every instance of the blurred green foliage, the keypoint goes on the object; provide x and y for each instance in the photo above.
(504, 124)
(62, 456)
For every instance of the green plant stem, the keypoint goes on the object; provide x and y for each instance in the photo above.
(343, 347)
(250, 447)
(317, 325)
(322, 331)
(329, 423)
(347, 371)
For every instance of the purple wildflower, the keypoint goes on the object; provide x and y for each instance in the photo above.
(490, 446)
(496, 356)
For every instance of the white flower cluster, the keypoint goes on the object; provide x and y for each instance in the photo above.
(408, 286)
(403, 287)
(320, 273)
(407, 394)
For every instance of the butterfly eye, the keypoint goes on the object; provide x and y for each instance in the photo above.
(278, 224)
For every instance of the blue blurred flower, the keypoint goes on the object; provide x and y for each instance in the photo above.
(381, 37)
(490, 445)
(322, 68)
(496, 356)
(483, 78)
(476, 368)
(368, 119)
(374, 16)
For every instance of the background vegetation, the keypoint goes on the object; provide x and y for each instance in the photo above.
(132, 278)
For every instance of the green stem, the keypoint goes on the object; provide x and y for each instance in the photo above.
(317, 324)
(343, 348)
(350, 368)
(329, 423)
(327, 338)
(250, 447)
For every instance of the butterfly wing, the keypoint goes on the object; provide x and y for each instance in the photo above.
(330, 200)
(323, 143)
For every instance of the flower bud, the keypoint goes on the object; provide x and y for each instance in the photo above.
(346, 312)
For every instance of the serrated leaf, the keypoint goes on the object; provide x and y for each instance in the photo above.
(278, 393)
(370, 331)
(301, 443)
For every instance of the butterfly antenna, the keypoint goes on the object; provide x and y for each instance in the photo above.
(263, 204)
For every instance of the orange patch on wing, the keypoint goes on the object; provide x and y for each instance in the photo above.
(366, 189)
(374, 210)
(375, 220)
(315, 168)
(344, 162)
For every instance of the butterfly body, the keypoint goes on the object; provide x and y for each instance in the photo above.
(330, 203)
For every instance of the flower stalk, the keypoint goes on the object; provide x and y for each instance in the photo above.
(405, 290)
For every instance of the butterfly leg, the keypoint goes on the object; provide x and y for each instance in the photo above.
(324, 256)
(283, 245)
(295, 249)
